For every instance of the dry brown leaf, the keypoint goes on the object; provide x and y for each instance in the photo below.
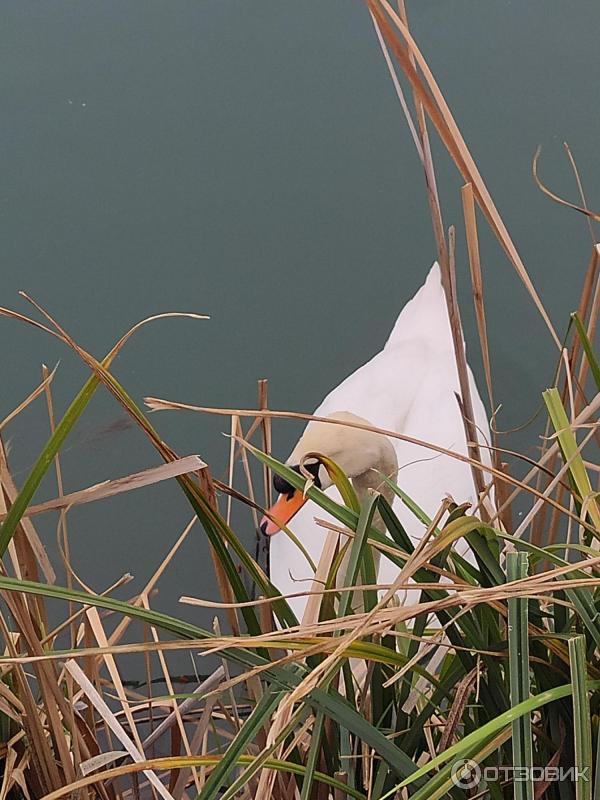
(137, 480)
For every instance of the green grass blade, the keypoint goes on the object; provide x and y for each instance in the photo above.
(582, 725)
(587, 349)
(518, 662)
(221, 537)
(313, 756)
(345, 515)
(441, 784)
(408, 502)
(356, 554)
(219, 533)
(342, 484)
(44, 461)
(259, 761)
(569, 449)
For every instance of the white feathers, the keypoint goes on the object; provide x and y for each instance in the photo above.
(409, 387)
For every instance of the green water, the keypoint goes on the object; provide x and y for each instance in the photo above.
(250, 160)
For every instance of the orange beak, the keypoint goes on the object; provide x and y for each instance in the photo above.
(281, 512)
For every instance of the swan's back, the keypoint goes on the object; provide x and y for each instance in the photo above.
(425, 316)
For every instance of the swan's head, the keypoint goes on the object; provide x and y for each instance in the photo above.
(357, 451)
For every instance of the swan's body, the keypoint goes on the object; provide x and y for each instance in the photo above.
(409, 387)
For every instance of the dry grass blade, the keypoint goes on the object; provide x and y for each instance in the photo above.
(46, 773)
(557, 199)
(589, 310)
(461, 698)
(115, 726)
(580, 189)
(581, 419)
(435, 208)
(418, 558)
(183, 763)
(39, 390)
(399, 92)
(477, 284)
(207, 686)
(110, 488)
(181, 729)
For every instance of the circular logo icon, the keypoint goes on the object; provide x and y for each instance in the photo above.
(466, 773)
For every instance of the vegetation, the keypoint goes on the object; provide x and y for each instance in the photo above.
(370, 704)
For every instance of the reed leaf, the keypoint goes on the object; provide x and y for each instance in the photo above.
(582, 726)
(571, 455)
(518, 658)
(587, 348)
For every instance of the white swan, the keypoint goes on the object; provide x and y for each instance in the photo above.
(409, 387)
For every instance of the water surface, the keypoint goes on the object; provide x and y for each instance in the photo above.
(250, 161)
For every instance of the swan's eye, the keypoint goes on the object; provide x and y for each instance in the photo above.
(313, 468)
(283, 487)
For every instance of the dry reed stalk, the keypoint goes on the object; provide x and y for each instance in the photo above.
(433, 199)
(470, 217)
(446, 257)
(461, 698)
(466, 401)
(54, 703)
(45, 775)
(585, 311)
(264, 542)
(438, 111)
(208, 489)
(199, 744)
(588, 312)
(265, 424)
(339, 794)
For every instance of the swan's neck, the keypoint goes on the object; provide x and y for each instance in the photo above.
(371, 480)
(364, 484)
